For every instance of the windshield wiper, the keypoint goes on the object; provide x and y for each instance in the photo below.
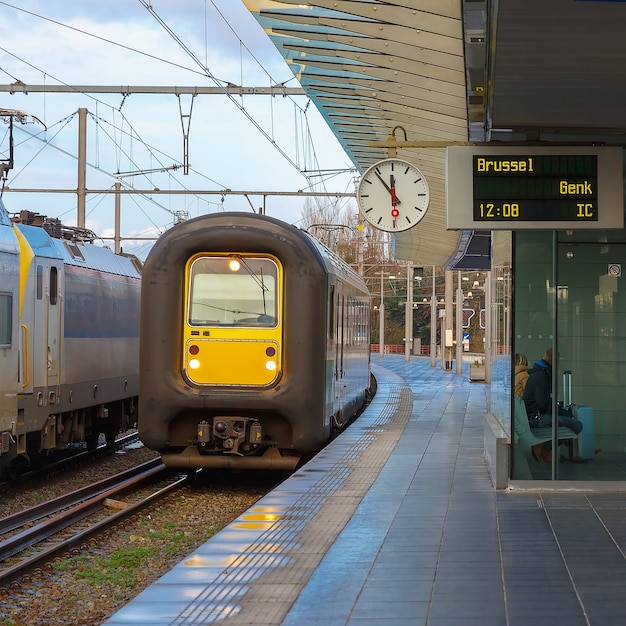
(259, 281)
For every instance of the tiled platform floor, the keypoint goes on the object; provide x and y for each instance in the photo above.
(397, 523)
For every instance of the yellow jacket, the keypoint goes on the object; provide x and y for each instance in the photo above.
(521, 376)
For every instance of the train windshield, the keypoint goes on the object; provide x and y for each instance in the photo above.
(233, 291)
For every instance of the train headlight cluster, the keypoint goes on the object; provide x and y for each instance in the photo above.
(242, 360)
(271, 364)
(194, 364)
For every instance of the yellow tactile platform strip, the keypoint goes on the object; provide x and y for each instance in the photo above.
(304, 517)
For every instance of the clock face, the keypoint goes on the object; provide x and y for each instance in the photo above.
(393, 195)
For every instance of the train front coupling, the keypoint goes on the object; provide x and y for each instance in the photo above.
(229, 435)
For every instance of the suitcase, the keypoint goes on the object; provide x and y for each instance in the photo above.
(585, 443)
(586, 439)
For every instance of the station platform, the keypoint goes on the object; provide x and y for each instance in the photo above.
(397, 522)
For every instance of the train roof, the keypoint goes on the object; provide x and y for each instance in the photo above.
(335, 264)
(279, 236)
(8, 242)
(78, 253)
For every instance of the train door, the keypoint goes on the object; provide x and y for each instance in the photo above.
(339, 353)
(46, 330)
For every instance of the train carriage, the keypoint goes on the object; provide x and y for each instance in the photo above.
(254, 343)
(69, 340)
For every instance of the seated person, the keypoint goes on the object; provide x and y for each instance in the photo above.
(521, 374)
(538, 400)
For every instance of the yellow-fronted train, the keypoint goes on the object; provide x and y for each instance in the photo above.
(254, 344)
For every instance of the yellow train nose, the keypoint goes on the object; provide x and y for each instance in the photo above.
(238, 362)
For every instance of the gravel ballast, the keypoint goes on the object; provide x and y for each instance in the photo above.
(87, 588)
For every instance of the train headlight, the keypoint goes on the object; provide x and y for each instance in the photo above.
(194, 364)
(220, 428)
(270, 365)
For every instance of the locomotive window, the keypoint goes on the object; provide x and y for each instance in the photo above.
(39, 282)
(53, 285)
(6, 306)
(233, 291)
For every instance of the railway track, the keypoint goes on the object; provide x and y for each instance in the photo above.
(70, 460)
(31, 539)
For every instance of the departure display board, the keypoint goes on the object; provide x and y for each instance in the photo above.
(534, 187)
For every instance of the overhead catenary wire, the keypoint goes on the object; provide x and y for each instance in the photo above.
(97, 101)
(91, 165)
(308, 154)
(210, 75)
(203, 71)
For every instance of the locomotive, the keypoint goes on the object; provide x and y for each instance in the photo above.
(254, 344)
(69, 340)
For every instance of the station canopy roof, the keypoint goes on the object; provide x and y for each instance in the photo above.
(454, 71)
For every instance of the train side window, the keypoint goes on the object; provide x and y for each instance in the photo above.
(53, 285)
(331, 313)
(6, 309)
(39, 282)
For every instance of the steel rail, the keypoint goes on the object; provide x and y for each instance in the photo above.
(14, 574)
(45, 509)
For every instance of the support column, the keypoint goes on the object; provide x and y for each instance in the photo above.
(448, 334)
(459, 326)
(381, 312)
(408, 321)
(433, 324)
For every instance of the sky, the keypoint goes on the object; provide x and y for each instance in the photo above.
(251, 143)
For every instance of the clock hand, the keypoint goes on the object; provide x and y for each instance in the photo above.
(387, 187)
(394, 199)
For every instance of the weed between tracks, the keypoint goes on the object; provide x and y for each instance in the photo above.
(86, 589)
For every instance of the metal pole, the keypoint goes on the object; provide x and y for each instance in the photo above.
(118, 211)
(488, 328)
(381, 328)
(359, 243)
(555, 357)
(82, 167)
(449, 306)
(459, 327)
(433, 322)
(408, 322)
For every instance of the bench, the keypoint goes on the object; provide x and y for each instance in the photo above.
(529, 437)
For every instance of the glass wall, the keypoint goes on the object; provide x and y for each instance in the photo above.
(569, 292)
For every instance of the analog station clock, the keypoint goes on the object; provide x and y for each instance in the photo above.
(393, 195)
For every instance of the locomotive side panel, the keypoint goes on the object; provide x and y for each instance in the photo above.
(101, 348)
(101, 330)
